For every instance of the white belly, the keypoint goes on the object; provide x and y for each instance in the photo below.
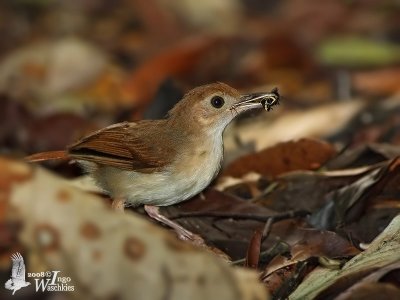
(166, 187)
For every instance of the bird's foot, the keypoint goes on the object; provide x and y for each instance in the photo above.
(182, 233)
(186, 235)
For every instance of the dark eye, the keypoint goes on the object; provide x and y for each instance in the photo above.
(217, 101)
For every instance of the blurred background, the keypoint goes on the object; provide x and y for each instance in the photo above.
(69, 67)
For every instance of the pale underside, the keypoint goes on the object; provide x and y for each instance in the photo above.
(165, 187)
(187, 174)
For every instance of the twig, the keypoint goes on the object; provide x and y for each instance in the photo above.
(267, 229)
(242, 216)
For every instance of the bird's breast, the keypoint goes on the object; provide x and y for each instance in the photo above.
(196, 168)
(189, 173)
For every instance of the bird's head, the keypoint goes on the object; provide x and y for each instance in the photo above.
(212, 107)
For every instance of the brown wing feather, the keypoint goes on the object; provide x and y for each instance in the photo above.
(128, 146)
(50, 155)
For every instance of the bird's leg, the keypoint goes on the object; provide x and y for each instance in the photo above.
(118, 204)
(183, 234)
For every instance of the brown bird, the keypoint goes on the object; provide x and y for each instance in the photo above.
(163, 162)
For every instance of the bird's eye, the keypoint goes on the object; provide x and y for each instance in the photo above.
(217, 101)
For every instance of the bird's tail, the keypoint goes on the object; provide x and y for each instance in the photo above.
(50, 155)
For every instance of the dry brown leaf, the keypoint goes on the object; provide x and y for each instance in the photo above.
(253, 252)
(372, 291)
(370, 286)
(307, 243)
(304, 154)
(381, 81)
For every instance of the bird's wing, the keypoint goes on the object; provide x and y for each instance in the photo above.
(120, 146)
(18, 267)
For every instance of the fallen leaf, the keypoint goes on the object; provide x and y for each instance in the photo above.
(363, 155)
(228, 234)
(347, 203)
(308, 242)
(304, 154)
(384, 250)
(305, 190)
(377, 82)
(253, 252)
(293, 125)
(368, 287)
(371, 291)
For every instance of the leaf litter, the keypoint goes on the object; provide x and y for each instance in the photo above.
(308, 196)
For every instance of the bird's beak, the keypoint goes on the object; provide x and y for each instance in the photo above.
(258, 100)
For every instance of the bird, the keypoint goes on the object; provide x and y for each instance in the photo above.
(17, 280)
(163, 162)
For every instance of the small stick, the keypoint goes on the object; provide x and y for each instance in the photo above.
(242, 216)
(267, 229)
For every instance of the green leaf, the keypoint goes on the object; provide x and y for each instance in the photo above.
(357, 52)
